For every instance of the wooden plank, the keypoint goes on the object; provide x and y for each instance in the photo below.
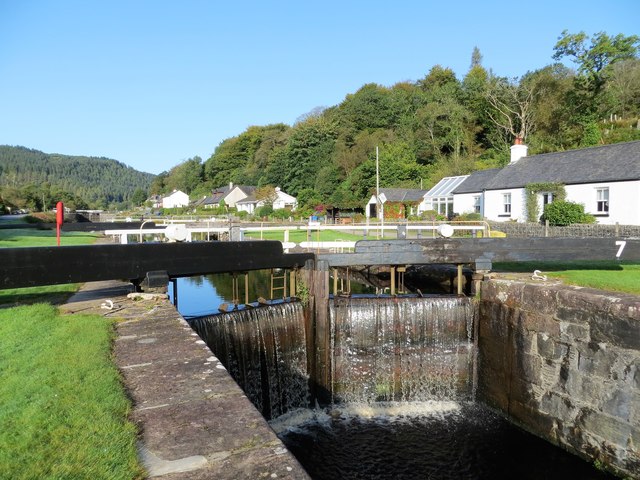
(467, 250)
(26, 267)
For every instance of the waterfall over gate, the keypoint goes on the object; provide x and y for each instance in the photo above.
(402, 349)
(264, 350)
(380, 349)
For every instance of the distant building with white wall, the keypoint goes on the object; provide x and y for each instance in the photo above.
(605, 179)
(281, 200)
(176, 199)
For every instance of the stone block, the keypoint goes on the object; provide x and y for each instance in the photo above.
(521, 391)
(492, 389)
(573, 333)
(493, 356)
(549, 347)
(615, 431)
(626, 307)
(543, 323)
(550, 374)
(559, 406)
(528, 368)
(623, 332)
(505, 292)
(621, 403)
(573, 299)
(596, 361)
(533, 420)
(493, 321)
(539, 298)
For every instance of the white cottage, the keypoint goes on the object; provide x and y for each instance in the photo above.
(396, 197)
(177, 199)
(282, 200)
(605, 179)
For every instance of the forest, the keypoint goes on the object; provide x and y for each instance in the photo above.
(36, 181)
(437, 126)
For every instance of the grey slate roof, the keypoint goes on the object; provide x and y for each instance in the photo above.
(477, 181)
(403, 194)
(217, 195)
(246, 189)
(221, 193)
(250, 199)
(606, 163)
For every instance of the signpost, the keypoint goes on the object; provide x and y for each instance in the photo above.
(59, 219)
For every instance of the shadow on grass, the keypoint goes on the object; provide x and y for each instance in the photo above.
(559, 266)
(54, 295)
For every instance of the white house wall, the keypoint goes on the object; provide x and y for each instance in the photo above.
(176, 200)
(466, 202)
(624, 201)
(494, 206)
(367, 209)
(234, 196)
(246, 207)
(284, 200)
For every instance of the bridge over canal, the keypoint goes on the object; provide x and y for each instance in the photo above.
(153, 264)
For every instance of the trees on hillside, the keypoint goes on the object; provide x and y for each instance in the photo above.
(438, 125)
(38, 180)
(595, 61)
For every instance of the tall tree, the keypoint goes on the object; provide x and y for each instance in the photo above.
(624, 87)
(595, 61)
(186, 176)
(552, 109)
(512, 106)
(308, 150)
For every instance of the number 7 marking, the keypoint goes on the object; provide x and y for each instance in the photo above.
(622, 244)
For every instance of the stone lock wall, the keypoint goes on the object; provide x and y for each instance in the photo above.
(564, 363)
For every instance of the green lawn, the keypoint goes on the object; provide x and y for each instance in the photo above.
(14, 237)
(604, 275)
(63, 408)
(54, 294)
(298, 236)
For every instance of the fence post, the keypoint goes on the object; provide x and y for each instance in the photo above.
(546, 228)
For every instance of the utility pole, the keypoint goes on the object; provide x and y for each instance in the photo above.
(378, 202)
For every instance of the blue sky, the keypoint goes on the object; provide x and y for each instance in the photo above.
(151, 83)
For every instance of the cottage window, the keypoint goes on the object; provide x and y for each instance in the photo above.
(506, 202)
(547, 198)
(476, 204)
(602, 197)
(443, 205)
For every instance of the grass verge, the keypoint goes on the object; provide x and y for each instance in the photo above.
(603, 275)
(14, 237)
(298, 236)
(64, 410)
(54, 294)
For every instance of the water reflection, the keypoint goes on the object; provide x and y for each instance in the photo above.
(203, 294)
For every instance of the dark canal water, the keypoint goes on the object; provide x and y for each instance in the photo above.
(437, 441)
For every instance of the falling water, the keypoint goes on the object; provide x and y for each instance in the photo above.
(402, 349)
(264, 350)
(402, 374)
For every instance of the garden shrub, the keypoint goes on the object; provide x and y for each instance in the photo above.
(566, 213)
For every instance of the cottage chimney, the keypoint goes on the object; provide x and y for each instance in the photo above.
(518, 150)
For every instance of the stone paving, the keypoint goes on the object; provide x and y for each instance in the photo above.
(195, 422)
